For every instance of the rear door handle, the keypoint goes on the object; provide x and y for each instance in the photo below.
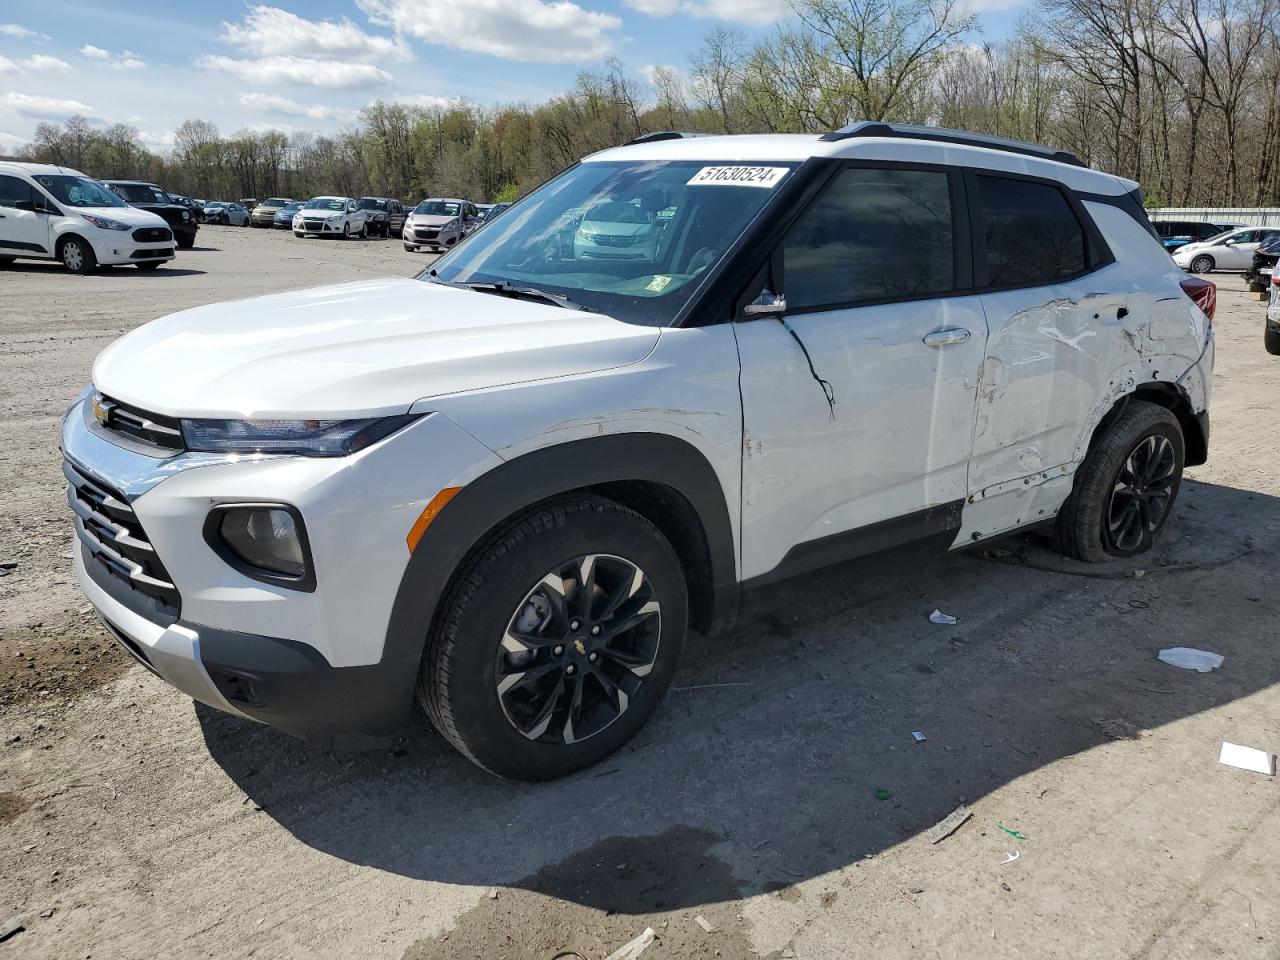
(940, 338)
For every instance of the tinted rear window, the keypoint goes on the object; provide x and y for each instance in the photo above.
(1032, 235)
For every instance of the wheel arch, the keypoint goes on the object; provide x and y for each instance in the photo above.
(664, 479)
(1173, 398)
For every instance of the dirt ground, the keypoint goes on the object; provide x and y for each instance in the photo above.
(778, 795)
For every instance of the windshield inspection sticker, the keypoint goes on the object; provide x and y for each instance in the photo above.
(767, 177)
(658, 283)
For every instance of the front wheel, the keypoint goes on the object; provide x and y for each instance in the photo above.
(1125, 488)
(408, 248)
(557, 641)
(299, 235)
(77, 256)
(150, 265)
(346, 231)
(186, 243)
(1271, 338)
(1202, 264)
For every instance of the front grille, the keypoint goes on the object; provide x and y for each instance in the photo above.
(314, 226)
(616, 240)
(151, 254)
(425, 234)
(152, 234)
(114, 538)
(151, 428)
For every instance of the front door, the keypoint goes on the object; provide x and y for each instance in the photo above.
(22, 232)
(877, 456)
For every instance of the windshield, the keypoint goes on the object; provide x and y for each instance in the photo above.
(369, 203)
(437, 208)
(140, 193)
(214, 205)
(290, 207)
(325, 203)
(273, 203)
(78, 191)
(633, 240)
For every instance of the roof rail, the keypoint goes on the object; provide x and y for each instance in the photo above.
(914, 131)
(663, 135)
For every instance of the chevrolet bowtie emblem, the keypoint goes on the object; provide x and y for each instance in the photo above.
(577, 645)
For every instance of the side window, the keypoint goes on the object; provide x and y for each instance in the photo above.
(873, 235)
(1032, 234)
(13, 190)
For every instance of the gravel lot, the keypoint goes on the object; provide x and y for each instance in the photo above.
(138, 825)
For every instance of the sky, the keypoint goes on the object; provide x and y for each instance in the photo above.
(313, 64)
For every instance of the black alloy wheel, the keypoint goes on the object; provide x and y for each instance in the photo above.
(1142, 494)
(578, 649)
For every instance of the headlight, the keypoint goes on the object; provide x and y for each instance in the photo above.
(308, 438)
(105, 223)
(451, 225)
(265, 541)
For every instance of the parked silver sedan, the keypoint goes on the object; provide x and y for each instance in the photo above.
(439, 224)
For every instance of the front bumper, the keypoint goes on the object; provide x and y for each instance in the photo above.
(115, 251)
(316, 664)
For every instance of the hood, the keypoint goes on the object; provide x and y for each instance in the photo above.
(134, 216)
(355, 349)
(429, 220)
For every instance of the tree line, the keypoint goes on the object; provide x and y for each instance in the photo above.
(1181, 95)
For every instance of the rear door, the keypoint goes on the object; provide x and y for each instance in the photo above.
(1057, 330)
(869, 273)
(22, 232)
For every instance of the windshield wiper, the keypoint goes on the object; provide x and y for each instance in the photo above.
(506, 288)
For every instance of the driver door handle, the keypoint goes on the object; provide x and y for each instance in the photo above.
(940, 338)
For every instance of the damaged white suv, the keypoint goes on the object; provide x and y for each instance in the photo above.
(511, 496)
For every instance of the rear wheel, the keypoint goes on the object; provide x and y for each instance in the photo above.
(78, 256)
(1272, 340)
(557, 641)
(1202, 264)
(1125, 488)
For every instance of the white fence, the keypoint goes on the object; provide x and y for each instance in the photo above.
(1250, 216)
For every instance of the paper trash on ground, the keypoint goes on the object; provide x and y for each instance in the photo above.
(633, 949)
(942, 618)
(1248, 758)
(1189, 658)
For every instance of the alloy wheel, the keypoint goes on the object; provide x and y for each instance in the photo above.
(578, 648)
(1142, 493)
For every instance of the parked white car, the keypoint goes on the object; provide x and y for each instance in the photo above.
(331, 217)
(227, 214)
(55, 213)
(440, 223)
(1232, 250)
(512, 495)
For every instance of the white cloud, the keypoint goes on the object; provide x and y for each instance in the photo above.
(274, 103)
(14, 30)
(43, 108)
(329, 74)
(37, 63)
(428, 101)
(126, 60)
(270, 31)
(754, 12)
(42, 61)
(9, 141)
(530, 30)
(157, 141)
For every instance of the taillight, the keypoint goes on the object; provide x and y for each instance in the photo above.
(1275, 275)
(1204, 293)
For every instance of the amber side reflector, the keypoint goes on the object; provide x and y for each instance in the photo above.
(429, 513)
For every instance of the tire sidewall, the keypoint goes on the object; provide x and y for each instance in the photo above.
(482, 605)
(1202, 264)
(1112, 462)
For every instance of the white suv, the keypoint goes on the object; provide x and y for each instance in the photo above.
(513, 495)
(55, 213)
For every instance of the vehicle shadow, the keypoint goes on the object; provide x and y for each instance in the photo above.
(111, 270)
(763, 766)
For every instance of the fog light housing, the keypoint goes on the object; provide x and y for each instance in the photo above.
(264, 541)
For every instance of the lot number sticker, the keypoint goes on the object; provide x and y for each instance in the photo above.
(766, 177)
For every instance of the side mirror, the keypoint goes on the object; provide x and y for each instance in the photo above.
(28, 205)
(766, 305)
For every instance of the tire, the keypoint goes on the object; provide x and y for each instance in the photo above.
(152, 265)
(299, 235)
(346, 231)
(409, 248)
(5, 261)
(1201, 263)
(1271, 337)
(472, 644)
(186, 243)
(77, 255)
(1091, 525)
